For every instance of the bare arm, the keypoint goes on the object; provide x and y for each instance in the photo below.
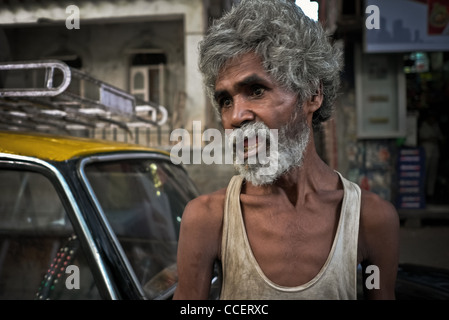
(198, 248)
(379, 241)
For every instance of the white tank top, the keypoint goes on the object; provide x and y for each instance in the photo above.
(243, 279)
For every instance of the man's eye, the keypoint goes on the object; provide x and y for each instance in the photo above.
(225, 102)
(257, 91)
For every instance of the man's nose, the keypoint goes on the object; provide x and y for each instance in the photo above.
(241, 113)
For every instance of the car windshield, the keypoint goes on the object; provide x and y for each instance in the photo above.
(143, 200)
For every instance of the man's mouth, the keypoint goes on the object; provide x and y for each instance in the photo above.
(251, 147)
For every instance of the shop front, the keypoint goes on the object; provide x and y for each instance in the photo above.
(393, 115)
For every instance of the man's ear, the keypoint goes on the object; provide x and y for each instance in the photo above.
(316, 100)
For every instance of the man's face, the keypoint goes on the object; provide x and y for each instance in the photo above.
(246, 93)
(251, 102)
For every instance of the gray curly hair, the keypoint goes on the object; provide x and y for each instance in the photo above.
(294, 49)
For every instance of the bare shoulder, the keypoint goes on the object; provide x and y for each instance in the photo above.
(206, 207)
(203, 215)
(379, 225)
(377, 212)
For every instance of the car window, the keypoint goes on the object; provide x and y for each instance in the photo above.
(143, 201)
(40, 255)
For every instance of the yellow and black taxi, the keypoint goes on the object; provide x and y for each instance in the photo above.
(88, 219)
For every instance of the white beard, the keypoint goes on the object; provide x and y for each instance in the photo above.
(291, 142)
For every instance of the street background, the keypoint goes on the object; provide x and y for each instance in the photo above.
(426, 244)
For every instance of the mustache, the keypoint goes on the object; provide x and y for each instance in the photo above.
(248, 131)
(289, 145)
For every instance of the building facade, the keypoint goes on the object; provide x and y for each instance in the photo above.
(396, 73)
(145, 47)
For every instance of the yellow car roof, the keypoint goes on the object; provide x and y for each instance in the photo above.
(60, 148)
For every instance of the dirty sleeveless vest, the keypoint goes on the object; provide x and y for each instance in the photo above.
(243, 279)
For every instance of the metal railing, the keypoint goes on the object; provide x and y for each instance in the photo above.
(50, 96)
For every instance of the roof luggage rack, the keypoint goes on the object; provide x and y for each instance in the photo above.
(50, 96)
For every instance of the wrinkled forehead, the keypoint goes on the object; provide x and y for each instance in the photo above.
(241, 67)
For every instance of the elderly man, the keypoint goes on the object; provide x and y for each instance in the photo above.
(300, 231)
